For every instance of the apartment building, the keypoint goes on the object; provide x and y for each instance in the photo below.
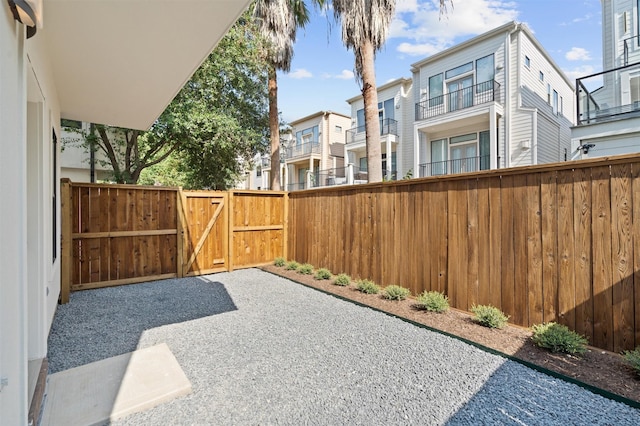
(496, 100)
(608, 107)
(312, 153)
(395, 111)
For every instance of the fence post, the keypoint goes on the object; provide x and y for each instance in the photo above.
(285, 229)
(230, 232)
(66, 243)
(181, 221)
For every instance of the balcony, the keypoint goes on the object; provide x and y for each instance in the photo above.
(460, 165)
(266, 163)
(388, 126)
(478, 94)
(607, 96)
(302, 150)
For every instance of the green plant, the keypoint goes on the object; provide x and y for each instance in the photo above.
(306, 269)
(558, 338)
(279, 262)
(292, 266)
(342, 280)
(633, 358)
(323, 274)
(395, 292)
(433, 301)
(489, 316)
(368, 287)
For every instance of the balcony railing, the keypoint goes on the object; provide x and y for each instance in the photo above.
(478, 94)
(460, 165)
(266, 163)
(301, 150)
(388, 126)
(330, 177)
(601, 96)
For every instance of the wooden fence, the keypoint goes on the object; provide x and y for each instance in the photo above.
(544, 243)
(124, 234)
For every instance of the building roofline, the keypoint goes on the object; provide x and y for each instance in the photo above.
(509, 27)
(400, 80)
(317, 114)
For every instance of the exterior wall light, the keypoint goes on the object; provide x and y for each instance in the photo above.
(23, 13)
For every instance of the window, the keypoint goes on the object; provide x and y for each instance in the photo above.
(54, 200)
(549, 94)
(363, 164)
(436, 90)
(338, 129)
(561, 105)
(259, 171)
(360, 120)
(485, 73)
(555, 102)
(73, 124)
(458, 70)
(307, 135)
(527, 62)
(541, 76)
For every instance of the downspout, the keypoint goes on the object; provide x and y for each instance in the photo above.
(507, 93)
(92, 154)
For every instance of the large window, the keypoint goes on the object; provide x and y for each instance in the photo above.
(310, 135)
(436, 90)
(464, 153)
(385, 110)
(459, 70)
(485, 73)
(555, 102)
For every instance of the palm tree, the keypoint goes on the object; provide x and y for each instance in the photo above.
(365, 24)
(278, 21)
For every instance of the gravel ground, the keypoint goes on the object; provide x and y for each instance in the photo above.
(259, 349)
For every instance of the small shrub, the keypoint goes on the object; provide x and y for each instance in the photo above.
(306, 269)
(342, 280)
(433, 301)
(633, 358)
(368, 287)
(395, 292)
(279, 262)
(292, 266)
(323, 274)
(558, 338)
(489, 316)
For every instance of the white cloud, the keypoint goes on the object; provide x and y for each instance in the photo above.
(403, 6)
(345, 75)
(578, 72)
(429, 32)
(300, 73)
(578, 54)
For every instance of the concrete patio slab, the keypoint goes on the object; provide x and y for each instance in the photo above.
(114, 387)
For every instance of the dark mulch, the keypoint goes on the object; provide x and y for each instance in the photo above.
(599, 368)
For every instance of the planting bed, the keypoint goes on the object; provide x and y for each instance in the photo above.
(598, 368)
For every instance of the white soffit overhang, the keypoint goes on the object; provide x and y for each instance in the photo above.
(121, 62)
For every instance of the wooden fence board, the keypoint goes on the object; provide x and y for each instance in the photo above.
(582, 226)
(602, 277)
(521, 259)
(566, 256)
(534, 250)
(549, 246)
(635, 206)
(622, 257)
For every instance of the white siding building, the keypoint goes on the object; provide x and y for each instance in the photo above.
(497, 100)
(608, 108)
(73, 67)
(395, 110)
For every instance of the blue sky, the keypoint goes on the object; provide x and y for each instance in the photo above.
(321, 76)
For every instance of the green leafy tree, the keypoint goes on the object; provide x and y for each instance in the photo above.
(278, 21)
(212, 129)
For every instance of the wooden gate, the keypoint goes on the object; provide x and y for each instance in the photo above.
(125, 234)
(204, 223)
